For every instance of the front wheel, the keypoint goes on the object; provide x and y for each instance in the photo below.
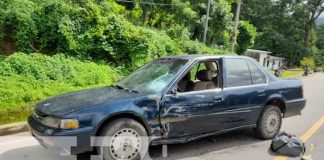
(269, 123)
(124, 139)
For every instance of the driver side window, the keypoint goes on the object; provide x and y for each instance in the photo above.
(202, 76)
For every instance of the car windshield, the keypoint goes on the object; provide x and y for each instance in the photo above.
(152, 77)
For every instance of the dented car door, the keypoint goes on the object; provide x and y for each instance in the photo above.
(191, 113)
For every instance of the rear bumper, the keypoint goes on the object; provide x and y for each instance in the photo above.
(294, 107)
(64, 142)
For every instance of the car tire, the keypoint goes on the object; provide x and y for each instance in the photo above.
(123, 138)
(269, 122)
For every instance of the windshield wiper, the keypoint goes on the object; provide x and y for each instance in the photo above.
(124, 88)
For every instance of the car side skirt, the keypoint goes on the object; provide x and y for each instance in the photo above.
(193, 138)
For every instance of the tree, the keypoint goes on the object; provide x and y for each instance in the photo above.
(179, 16)
(259, 13)
(320, 37)
(246, 36)
(308, 62)
(101, 30)
(314, 9)
(281, 27)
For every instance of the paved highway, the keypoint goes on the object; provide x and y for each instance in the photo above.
(238, 145)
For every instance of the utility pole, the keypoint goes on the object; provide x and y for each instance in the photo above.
(206, 23)
(236, 23)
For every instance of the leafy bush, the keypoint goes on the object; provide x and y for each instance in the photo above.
(194, 47)
(16, 17)
(157, 42)
(308, 62)
(90, 30)
(25, 79)
(246, 36)
(112, 38)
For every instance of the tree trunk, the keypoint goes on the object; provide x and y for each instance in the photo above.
(7, 42)
(308, 34)
(308, 30)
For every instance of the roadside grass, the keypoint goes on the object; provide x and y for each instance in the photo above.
(292, 73)
(19, 109)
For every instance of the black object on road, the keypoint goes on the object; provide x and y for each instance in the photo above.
(288, 145)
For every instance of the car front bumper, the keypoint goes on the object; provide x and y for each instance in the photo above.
(64, 142)
(294, 107)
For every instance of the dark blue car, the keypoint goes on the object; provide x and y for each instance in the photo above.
(170, 100)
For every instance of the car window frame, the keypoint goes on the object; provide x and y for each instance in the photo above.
(251, 85)
(188, 69)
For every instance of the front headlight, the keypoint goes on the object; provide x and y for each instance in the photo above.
(58, 123)
(69, 124)
(51, 122)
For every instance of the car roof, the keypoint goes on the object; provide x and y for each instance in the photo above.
(204, 56)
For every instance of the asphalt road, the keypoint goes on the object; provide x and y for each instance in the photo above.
(238, 145)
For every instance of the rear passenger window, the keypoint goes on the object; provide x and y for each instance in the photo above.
(258, 77)
(237, 73)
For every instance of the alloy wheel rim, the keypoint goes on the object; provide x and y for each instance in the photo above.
(125, 144)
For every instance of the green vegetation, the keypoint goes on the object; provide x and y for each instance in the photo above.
(292, 73)
(287, 28)
(96, 30)
(308, 62)
(132, 33)
(68, 45)
(247, 34)
(26, 79)
(83, 44)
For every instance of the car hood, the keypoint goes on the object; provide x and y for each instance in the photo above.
(69, 102)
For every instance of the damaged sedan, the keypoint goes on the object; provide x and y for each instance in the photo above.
(170, 100)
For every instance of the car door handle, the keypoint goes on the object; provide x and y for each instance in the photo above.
(218, 99)
(180, 110)
(282, 92)
(262, 94)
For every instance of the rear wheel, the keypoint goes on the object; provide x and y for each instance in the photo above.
(269, 123)
(124, 139)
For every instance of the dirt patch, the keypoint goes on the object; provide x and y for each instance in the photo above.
(7, 43)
